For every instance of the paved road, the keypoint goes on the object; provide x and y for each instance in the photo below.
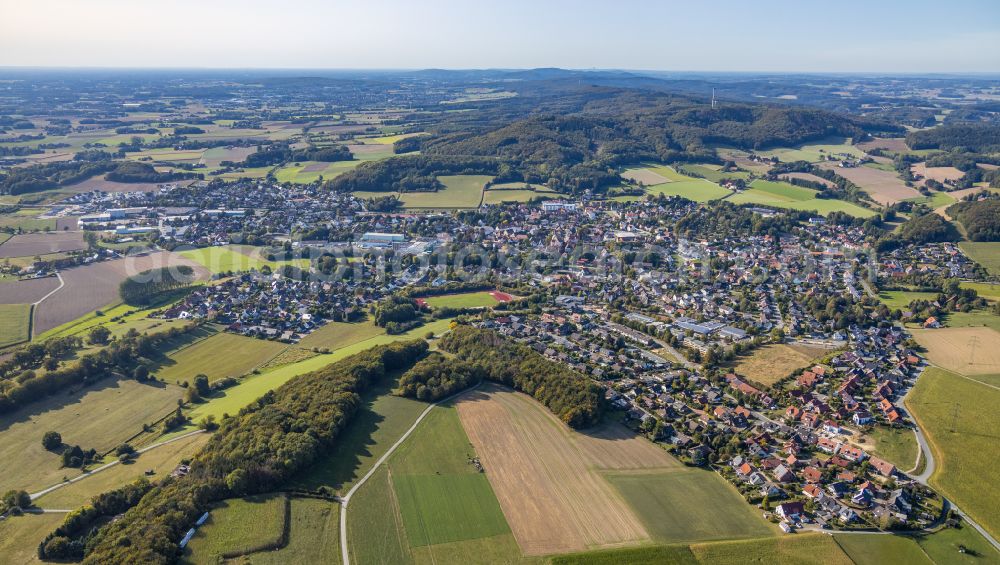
(346, 499)
(109, 465)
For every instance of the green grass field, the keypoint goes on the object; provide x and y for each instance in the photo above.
(882, 550)
(943, 546)
(20, 536)
(309, 171)
(228, 258)
(235, 525)
(648, 555)
(688, 505)
(896, 445)
(434, 506)
(26, 223)
(14, 321)
(787, 550)
(985, 253)
(481, 299)
(334, 335)
(713, 173)
(313, 536)
(515, 192)
(814, 152)
(784, 195)
(940, 547)
(221, 355)
(961, 421)
(976, 318)
(986, 290)
(100, 417)
(900, 299)
(460, 191)
(698, 190)
(935, 200)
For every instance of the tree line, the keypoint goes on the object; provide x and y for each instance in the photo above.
(142, 288)
(569, 395)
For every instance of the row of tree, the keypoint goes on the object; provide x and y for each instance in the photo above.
(143, 288)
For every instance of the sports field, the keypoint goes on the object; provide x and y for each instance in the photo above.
(14, 319)
(960, 419)
(238, 525)
(161, 460)
(986, 253)
(460, 191)
(769, 364)
(221, 355)
(483, 299)
(228, 258)
(784, 195)
(965, 350)
(100, 417)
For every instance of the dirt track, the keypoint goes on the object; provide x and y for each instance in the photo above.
(546, 476)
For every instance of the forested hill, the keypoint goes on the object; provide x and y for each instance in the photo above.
(575, 138)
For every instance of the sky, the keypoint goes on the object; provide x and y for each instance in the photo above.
(902, 36)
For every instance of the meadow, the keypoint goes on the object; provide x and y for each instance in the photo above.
(672, 506)
(221, 355)
(232, 258)
(100, 417)
(940, 547)
(238, 524)
(313, 535)
(900, 299)
(986, 253)
(14, 321)
(986, 290)
(882, 550)
(798, 549)
(460, 191)
(815, 151)
(306, 172)
(784, 195)
(20, 536)
(896, 445)
(960, 420)
(334, 335)
(712, 173)
(768, 364)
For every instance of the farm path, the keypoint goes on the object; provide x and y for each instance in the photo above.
(62, 283)
(106, 466)
(344, 500)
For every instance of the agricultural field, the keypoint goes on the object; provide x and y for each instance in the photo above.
(14, 322)
(460, 191)
(334, 335)
(409, 511)
(940, 174)
(26, 291)
(937, 201)
(712, 173)
(799, 549)
(516, 192)
(232, 258)
(647, 177)
(161, 460)
(940, 547)
(815, 152)
(901, 299)
(784, 195)
(986, 253)
(882, 550)
(20, 536)
(896, 445)
(29, 245)
(965, 350)
(100, 417)
(808, 177)
(100, 183)
(313, 535)
(670, 505)
(893, 144)
(483, 299)
(238, 525)
(221, 355)
(661, 179)
(960, 420)
(986, 290)
(771, 363)
(371, 152)
(311, 171)
(884, 187)
(90, 287)
(27, 223)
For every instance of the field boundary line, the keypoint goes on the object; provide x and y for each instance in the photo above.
(344, 500)
(106, 466)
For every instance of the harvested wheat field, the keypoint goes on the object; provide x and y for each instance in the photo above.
(100, 183)
(884, 187)
(31, 244)
(939, 174)
(27, 291)
(969, 351)
(645, 176)
(894, 144)
(547, 477)
(90, 287)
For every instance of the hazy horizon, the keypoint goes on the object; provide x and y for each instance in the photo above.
(779, 36)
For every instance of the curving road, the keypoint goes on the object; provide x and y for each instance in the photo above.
(344, 500)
